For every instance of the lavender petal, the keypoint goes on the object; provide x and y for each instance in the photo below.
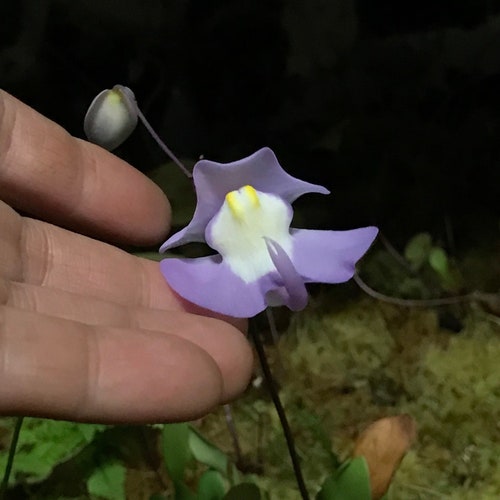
(330, 256)
(210, 283)
(292, 291)
(214, 180)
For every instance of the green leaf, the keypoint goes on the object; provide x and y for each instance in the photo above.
(417, 250)
(207, 453)
(438, 260)
(449, 276)
(182, 492)
(108, 481)
(44, 443)
(175, 447)
(211, 486)
(179, 190)
(243, 491)
(350, 482)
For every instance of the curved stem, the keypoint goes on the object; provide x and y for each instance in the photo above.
(281, 412)
(162, 145)
(393, 252)
(10, 458)
(414, 302)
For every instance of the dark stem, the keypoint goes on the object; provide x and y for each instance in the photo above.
(281, 412)
(275, 336)
(10, 458)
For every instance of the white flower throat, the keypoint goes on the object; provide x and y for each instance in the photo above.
(238, 230)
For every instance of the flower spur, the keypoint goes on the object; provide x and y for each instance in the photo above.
(244, 212)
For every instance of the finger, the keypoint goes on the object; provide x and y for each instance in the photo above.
(58, 368)
(225, 344)
(41, 254)
(47, 173)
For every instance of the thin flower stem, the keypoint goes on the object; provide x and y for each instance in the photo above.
(272, 327)
(10, 458)
(393, 252)
(275, 336)
(415, 302)
(162, 145)
(234, 434)
(281, 412)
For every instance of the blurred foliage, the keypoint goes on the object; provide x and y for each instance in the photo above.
(179, 190)
(43, 444)
(58, 459)
(351, 481)
(423, 270)
(108, 482)
(185, 450)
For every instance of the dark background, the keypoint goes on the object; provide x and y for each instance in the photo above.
(395, 106)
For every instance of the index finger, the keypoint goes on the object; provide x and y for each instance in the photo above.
(47, 173)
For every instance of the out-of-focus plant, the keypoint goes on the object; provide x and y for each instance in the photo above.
(429, 259)
(183, 448)
(45, 445)
(425, 276)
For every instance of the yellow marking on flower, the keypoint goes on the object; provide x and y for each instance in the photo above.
(240, 200)
(114, 96)
(234, 204)
(239, 229)
(252, 195)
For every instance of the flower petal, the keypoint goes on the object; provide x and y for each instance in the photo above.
(210, 283)
(292, 291)
(214, 180)
(239, 230)
(330, 256)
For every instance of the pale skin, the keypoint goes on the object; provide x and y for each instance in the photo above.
(89, 332)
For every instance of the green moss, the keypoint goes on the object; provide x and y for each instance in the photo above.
(338, 371)
(455, 396)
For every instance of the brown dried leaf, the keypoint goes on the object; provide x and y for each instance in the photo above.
(384, 444)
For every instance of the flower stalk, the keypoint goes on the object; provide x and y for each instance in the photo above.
(10, 458)
(273, 391)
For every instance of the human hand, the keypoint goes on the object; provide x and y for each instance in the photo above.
(87, 331)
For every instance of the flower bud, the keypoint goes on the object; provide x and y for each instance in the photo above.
(111, 117)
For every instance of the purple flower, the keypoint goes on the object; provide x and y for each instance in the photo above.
(244, 213)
